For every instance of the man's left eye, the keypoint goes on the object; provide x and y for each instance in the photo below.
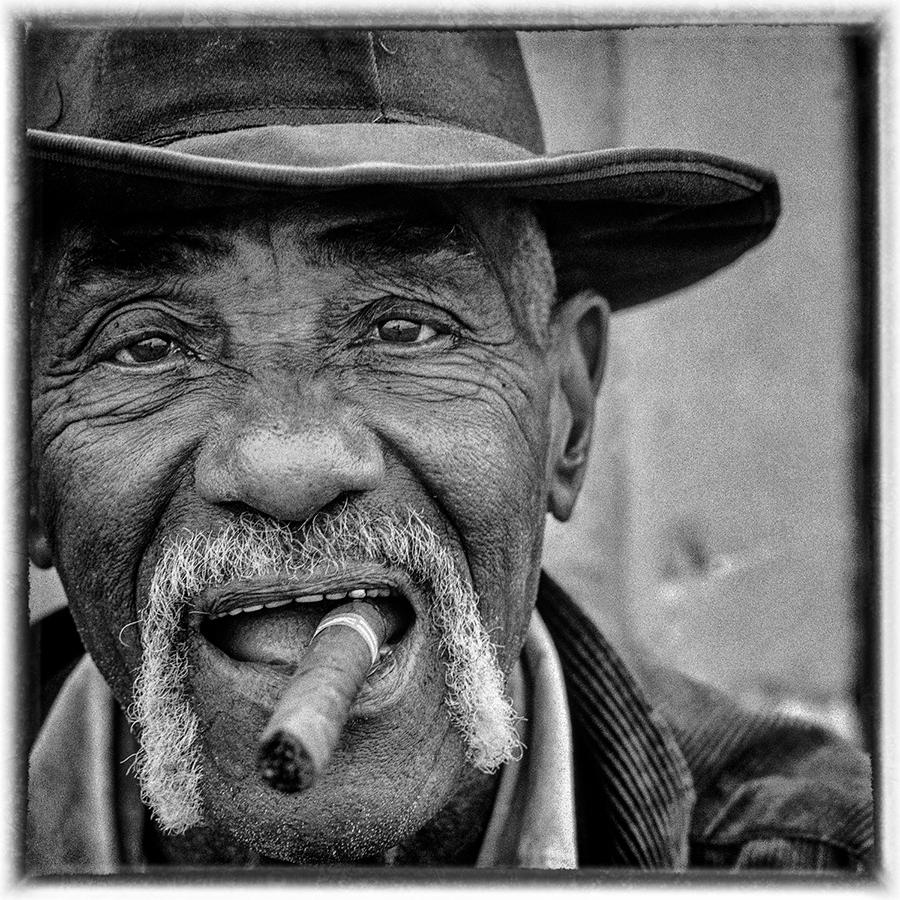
(147, 351)
(403, 331)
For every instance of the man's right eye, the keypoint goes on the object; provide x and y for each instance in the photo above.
(147, 351)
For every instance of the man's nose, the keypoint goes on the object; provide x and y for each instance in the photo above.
(288, 458)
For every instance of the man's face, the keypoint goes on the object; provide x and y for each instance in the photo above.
(278, 363)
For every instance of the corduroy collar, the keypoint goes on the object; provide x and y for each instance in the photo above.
(634, 791)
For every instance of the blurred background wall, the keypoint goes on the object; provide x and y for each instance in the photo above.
(717, 530)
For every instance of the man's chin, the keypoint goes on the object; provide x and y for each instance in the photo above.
(397, 761)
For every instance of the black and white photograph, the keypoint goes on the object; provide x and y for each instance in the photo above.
(448, 447)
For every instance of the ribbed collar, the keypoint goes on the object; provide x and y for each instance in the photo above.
(634, 791)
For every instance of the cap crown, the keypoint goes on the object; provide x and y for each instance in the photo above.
(155, 86)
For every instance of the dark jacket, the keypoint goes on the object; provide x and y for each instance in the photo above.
(673, 772)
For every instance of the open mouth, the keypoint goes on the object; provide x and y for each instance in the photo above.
(272, 621)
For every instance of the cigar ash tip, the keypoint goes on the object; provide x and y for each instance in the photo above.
(285, 765)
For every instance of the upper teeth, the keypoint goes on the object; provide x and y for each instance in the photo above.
(355, 594)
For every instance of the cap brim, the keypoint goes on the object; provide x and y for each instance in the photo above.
(634, 223)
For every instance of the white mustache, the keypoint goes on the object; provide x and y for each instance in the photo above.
(169, 762)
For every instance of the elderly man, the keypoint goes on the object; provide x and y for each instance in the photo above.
(316, 337)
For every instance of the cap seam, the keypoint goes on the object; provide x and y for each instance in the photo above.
(385, 117)
(389, 116)
(206, 114)
(99, 77)
(376, 75)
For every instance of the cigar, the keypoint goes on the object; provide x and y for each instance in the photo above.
(310, 715)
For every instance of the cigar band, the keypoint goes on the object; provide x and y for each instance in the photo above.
(358, 624)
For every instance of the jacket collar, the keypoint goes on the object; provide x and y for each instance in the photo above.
(634, 790)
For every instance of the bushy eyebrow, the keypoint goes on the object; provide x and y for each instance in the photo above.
(419, 253)
(390, 240)
(390, 246)
(138, 255)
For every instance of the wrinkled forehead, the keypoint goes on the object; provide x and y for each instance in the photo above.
(323, 229)
(402, 233)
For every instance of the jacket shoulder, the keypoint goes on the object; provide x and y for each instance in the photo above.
(773, 791)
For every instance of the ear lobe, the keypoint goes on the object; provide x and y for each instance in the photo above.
(580, 328)
(38, 543)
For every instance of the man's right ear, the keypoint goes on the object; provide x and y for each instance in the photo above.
(38, 543)
(581, 326)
